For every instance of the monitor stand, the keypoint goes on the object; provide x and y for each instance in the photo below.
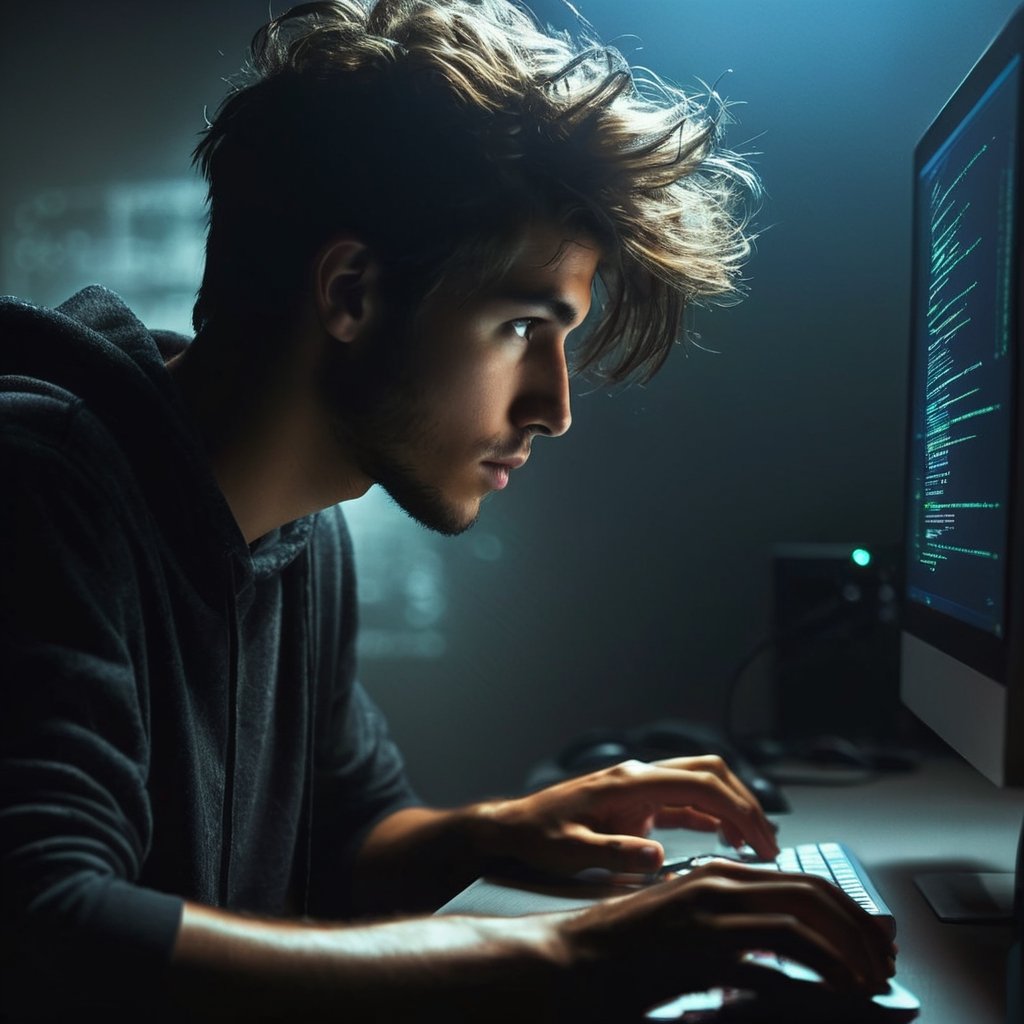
(969, 897)
(977, 897)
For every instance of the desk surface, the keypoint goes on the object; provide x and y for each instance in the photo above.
(943, 817)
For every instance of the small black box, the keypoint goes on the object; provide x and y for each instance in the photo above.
(837, 641)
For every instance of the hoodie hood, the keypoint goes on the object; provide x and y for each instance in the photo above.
(99, 354)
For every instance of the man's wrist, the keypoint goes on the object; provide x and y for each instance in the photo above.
(493, 833)
(420, 857)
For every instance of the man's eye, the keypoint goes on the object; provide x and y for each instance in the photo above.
(521, 328)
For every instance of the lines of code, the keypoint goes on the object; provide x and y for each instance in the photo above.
(951, 402)
(963, 376)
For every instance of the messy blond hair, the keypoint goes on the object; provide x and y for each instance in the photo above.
(435, 129)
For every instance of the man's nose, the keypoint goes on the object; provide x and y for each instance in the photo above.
(543, 405)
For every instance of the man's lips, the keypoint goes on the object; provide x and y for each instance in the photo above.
(513, 462)
(497, 470)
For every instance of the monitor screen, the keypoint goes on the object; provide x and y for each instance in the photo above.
(962, 644)
(962, 641)
(962, 380)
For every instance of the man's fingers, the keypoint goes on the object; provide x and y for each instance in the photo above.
(602, 819)
(706, 785)
(816, 903)
(712, 763)
(580, 848)
(698, 821)
(686, 817)
(704, 929)
(731, 835)
(784, 935)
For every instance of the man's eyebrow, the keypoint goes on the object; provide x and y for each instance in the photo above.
(564, 312)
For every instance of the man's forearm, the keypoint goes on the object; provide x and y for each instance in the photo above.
(226, 966)
(418, 858)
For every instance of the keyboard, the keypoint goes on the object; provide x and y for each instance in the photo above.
(832, 861)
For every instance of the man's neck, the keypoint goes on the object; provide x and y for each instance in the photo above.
(270, 446)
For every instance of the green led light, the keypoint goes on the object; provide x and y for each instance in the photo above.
(861, 557)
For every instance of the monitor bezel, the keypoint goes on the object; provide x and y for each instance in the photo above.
(993, 656)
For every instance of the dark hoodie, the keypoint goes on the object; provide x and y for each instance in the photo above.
(179, 716)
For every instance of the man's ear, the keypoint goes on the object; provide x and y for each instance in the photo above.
(346, 279)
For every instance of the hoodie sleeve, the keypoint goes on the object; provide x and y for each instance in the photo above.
(360, 775)
(75, 820)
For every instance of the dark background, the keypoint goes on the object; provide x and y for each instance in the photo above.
(627, 571)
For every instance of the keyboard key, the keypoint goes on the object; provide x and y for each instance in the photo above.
(835, 863)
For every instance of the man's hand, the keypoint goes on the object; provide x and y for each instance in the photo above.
(696, 931)
(419, 857)
(603, 819)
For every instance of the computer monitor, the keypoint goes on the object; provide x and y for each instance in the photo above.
(962, 656)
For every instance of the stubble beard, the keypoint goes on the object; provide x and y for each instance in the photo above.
(385, 464)
(378, 420)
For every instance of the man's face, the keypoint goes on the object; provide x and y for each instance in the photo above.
(443, 415)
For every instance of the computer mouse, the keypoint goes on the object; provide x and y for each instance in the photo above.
(835, 750)
(769, 794)
(591, 756)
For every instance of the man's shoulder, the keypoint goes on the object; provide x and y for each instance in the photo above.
(32, 406)
(61, 465)
(59, 373)
(42, 423)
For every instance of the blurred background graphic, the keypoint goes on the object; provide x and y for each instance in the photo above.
(627, 573)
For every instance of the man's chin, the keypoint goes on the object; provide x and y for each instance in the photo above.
(448, 522)
(450, 527)
(430, 509)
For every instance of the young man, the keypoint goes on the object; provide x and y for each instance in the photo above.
(201, 813)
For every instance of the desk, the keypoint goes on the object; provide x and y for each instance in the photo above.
(943, 817)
